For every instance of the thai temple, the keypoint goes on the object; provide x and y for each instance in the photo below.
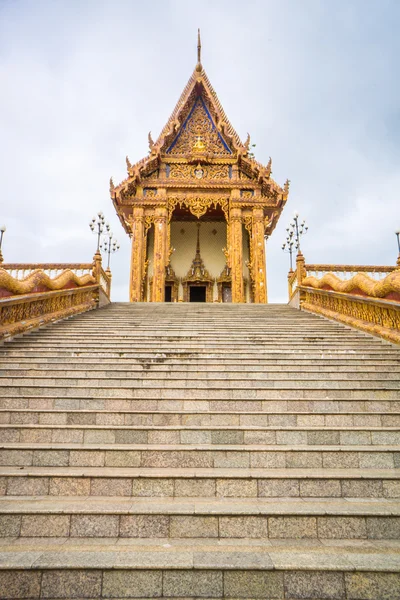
(198, 207)
(197, 442)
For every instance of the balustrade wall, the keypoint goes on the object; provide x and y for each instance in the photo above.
(365, 297)
(32, 295)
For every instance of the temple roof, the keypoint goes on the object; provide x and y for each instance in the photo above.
(198, 131)
(198, 85)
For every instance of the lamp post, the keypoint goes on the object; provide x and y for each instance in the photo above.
(398, 245)
(97, 227)
(288, 247)
(2, 231)
(299, 229)
(109, 246)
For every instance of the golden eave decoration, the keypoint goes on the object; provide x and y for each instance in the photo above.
(198, 148)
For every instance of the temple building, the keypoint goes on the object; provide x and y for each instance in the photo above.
(198, 207)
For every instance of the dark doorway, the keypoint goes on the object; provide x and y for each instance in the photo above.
(226, 292)
(197, 293)
(168, 293)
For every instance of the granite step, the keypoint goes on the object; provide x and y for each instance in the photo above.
(85, 369)
(354, 347)
(139, 482)
(249, 518)
(196, 418)
(230, 379)
(254, 390)
(192, 568)
(312, 403)
(137, 363)
(236, 346)
(178, 435)
(63, 454)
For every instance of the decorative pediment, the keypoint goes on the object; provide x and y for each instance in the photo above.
(198, 135)
(198, 161)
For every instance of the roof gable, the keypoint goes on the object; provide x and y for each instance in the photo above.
(198, 133)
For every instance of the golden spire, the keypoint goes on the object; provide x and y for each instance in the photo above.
(198, 66)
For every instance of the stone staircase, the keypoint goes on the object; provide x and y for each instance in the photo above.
(199, 451)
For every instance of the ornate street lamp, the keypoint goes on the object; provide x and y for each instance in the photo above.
(294, 233)
(2, 231)
(109, 245)
(298, 229)
(288, 247)
(398, 245)
(97, 227)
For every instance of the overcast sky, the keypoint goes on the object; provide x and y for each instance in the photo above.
(315, 82)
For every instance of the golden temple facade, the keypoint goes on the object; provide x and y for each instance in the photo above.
(198, 207)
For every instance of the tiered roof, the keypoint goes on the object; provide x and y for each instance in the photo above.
(198, 100)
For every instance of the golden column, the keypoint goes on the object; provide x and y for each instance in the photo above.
(258, 247)
(160, 253)
(236, 254)
(137, 254)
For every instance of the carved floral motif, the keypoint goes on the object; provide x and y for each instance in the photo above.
(198, 205)
(368, 286)
(18, 315)
(199, 135)
(198, 172)
(39, 279)
(372, 317)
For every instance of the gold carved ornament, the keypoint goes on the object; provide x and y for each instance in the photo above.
(369, 286)
(148, 222)
(18, 315)
(199, 172)
(248, 224)
(372, 317)
(199, 135)
(38, 278)
(198, 205)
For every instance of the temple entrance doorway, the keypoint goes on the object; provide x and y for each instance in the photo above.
(226, 292)
(197, 293)
(168, 293)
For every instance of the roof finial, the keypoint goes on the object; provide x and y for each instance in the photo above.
(198, 67)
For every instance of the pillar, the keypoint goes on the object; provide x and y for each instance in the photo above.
(137, 254)
(258, 257)
(236, 254)
(160, 253)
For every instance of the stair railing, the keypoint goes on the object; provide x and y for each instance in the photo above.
(32, 295)
(365, 297)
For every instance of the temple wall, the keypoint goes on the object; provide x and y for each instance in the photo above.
(212, 240)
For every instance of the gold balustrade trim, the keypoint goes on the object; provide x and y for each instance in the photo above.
(39, 278)
(370, 287)
(378, 317)
(349, 268)
(292, 283)
(46, 266)
(105, 282)
(19, 314)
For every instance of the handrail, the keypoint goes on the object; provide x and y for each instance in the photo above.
(35, 294)
(46, 266)
(368, 298)
(374, 315)
(349, 268)
(292, 283)
(19, 314)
